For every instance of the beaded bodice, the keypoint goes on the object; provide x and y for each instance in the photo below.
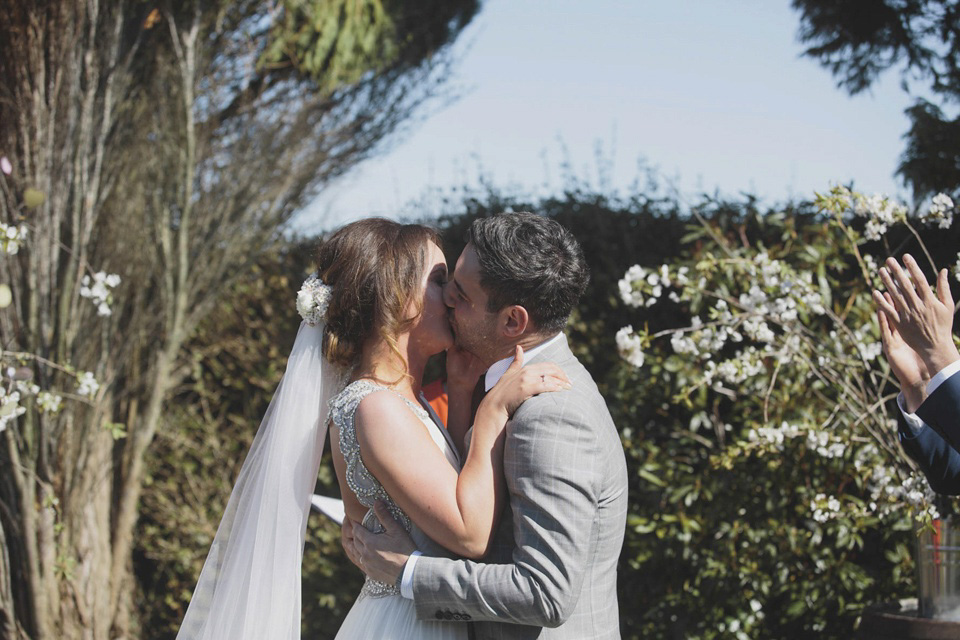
(361, 482)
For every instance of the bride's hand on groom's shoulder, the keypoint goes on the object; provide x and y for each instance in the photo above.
(520, 383)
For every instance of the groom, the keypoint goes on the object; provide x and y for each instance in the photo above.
(552, 569)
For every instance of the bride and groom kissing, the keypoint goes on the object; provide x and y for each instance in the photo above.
(507, 522)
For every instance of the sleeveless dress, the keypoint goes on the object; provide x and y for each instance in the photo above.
(380, 612)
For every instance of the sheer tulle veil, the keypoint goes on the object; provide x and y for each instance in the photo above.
(249, 588)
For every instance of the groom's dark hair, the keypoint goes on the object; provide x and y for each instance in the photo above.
(531, 261)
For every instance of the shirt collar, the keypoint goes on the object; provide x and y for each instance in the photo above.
(497, 369)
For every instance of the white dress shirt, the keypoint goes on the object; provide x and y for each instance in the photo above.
(491, 377)
(914, 422)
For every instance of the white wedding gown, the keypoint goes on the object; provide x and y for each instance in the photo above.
(380, 612)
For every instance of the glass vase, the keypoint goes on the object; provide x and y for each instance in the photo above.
(938, 570)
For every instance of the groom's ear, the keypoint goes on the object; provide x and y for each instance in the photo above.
(514, 321)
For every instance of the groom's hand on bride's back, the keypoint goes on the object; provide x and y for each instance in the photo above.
(347, 542)
(382, 555)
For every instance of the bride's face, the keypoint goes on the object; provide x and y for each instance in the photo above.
(432, 332)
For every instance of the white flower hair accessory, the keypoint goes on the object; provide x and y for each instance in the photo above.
(313, 300)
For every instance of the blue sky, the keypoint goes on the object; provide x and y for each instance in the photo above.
(714, 93)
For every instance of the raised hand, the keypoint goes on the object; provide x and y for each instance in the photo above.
(923, 319)
(906, 364)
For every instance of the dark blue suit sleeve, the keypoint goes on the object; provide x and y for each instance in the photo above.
(941, 410)
(939, 461)
(935, 448)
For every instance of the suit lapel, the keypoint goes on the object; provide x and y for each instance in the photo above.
(435, 419)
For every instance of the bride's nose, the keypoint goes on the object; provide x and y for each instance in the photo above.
(448, 297)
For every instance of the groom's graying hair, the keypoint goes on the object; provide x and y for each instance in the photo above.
(531, 261)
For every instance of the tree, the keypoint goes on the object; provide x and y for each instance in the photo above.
(169, 143)
(858, 40)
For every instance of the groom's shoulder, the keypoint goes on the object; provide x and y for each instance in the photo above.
(582, 403)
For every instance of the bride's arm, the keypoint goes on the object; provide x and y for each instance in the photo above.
(459, 512)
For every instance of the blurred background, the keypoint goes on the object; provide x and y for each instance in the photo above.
(168, 169)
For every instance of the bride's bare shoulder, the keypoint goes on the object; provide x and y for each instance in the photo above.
(384, 408)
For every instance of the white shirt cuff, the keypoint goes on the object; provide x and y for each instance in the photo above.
(914, 422)
(406, 582)
(942, 376)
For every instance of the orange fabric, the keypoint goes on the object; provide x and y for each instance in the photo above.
(436, 395)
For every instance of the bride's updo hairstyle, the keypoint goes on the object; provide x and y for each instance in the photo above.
(375, 267)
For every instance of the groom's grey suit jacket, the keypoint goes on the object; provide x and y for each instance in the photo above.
(552, 572)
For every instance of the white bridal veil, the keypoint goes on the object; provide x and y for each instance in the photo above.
(249, 588)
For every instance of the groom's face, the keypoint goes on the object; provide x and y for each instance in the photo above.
(474, 328)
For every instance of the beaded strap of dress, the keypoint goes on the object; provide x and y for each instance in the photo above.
(343, 408)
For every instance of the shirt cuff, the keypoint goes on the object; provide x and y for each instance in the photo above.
(942, 376)
(914, 422)
(406, 582)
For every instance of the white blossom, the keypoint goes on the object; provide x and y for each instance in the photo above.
(879, 208)
(11, 237)
(825, 508)
(48, 402)
(870, 351)
(683, 344)
(940, 211)
(97, 289)
(630, 346)
(874, 230)
(774, 436)
(824, 445)
(629, 286)
(10, 408)
(757, 329)
(754, 299)
(87, 385)
(27, 389)
(744, 366)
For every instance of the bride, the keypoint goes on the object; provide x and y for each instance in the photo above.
(373, 315)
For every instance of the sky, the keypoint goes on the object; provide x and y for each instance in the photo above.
(713, 94)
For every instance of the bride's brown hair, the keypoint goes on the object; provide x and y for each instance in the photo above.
(375, 267)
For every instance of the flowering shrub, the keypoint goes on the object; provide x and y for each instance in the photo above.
(757, 318)
(780, 358)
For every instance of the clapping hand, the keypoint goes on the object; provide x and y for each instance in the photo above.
(915, 326)
(906, 364)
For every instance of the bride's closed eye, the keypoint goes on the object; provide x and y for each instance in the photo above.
(439, 277)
